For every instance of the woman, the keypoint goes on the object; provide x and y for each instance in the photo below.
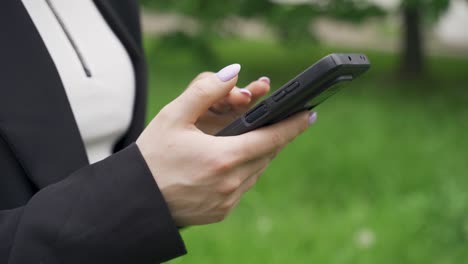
(81, 182)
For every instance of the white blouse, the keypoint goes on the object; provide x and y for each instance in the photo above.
(94, 67)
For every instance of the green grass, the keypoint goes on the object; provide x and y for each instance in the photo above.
(381, 178)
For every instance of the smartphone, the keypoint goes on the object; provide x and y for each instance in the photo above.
(304, 92)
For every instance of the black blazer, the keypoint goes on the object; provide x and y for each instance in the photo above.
(54, 206)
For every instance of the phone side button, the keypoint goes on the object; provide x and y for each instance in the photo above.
(292, 87)
(279, 95)
(257, 113)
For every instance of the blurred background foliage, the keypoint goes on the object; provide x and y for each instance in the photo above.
(292, 21)
(383, 175)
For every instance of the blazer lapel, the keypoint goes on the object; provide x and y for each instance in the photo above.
(36, 119)
(35, 116)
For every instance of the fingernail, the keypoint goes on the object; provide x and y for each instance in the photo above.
(229, 72)
(312, 118)
(265, 79)
(246, 92)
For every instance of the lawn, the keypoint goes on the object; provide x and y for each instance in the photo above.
(382, 177)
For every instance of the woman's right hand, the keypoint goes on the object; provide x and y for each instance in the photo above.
(203, 177)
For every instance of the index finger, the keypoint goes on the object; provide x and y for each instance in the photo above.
(267, 140)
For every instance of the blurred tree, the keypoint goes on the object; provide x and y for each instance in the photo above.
(414, 12)
(292, 20)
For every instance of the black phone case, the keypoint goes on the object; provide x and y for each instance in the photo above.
(303, 92)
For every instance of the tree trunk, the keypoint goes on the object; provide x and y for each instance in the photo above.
(413, 59)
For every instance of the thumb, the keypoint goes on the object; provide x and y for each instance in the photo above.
(205, 92)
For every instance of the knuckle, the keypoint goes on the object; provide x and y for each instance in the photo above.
(227, 206)
(204, 74)
(254, 180)
(252, 183)
(238, 155)
(164, 112)
(222, 165)
(245, 151)
(229, 186)
(277, 139)
(200, 90)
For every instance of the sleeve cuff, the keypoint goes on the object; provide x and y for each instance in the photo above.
(174, 246)
(108, 212)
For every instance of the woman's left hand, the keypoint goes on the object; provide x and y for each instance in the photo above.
(232, 106)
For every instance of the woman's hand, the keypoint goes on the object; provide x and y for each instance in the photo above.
(233, 105)
(203, 177)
